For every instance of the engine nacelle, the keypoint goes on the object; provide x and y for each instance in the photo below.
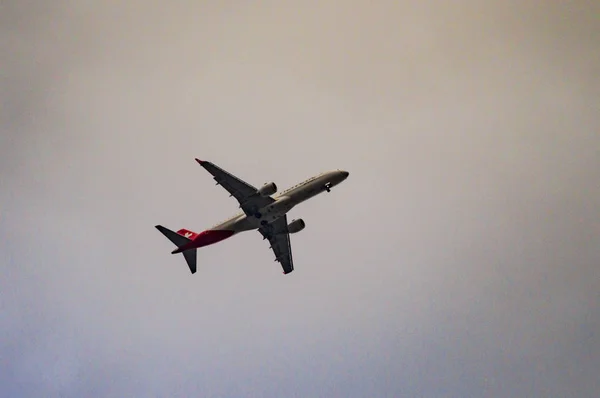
(268, 189)
(296, 226)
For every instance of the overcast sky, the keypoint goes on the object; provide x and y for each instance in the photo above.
(461, 258)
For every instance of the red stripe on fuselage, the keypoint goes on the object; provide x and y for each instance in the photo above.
(211, 236)
(206, 238)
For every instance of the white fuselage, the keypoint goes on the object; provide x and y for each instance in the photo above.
(284, 202)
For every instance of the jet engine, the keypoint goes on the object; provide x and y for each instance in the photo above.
(268, 189)
(296, 226)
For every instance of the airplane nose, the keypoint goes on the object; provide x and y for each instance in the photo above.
(345, 174)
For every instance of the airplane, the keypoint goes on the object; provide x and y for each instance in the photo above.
(262, 210)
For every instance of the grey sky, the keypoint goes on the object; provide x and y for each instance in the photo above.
(460, 258)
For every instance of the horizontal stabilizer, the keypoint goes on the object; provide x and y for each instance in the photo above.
(190, 258)
(177, 239)
(180, 240)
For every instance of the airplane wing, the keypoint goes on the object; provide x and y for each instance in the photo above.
(279, 238)
(248, 197)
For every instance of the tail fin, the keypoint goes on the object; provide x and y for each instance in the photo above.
(187, 233)
(181, 238)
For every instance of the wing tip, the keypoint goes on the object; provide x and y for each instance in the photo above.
(200, 162)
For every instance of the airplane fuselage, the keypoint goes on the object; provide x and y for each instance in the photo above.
(282, 204)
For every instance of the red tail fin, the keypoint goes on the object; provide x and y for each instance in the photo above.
(187, 233)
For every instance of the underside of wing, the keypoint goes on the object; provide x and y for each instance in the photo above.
(248, 197)
(279, 238)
